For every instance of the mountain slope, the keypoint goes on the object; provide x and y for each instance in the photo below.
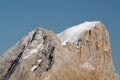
(81, 52)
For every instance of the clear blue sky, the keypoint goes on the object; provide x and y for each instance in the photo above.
(17, 17)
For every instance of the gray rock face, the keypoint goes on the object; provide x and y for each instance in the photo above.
(40, 55)
(33, 53)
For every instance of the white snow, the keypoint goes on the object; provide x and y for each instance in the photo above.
(87, 66)
(32, 51)
(74, 33)
(39, 61)
(34, 67)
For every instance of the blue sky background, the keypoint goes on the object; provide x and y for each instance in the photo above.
(17, 17)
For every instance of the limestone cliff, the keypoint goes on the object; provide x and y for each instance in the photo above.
(81, 52)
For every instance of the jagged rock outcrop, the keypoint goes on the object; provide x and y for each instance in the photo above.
(75, 54)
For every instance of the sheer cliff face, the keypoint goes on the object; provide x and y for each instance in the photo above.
(81, 52)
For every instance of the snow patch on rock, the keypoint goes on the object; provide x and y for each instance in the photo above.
(39, 61)
(34, 67)
(87, 66)
(32, 51)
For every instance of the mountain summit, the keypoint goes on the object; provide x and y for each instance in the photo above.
(80, 52)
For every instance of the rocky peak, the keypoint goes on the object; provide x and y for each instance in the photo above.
(81, 52)
(75, 33)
